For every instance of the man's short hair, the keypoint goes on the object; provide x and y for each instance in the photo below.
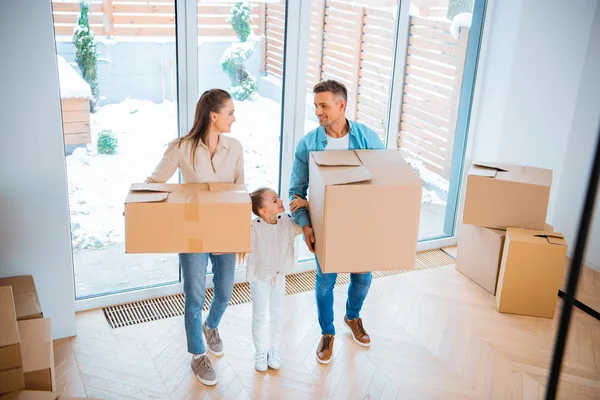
(332, 86)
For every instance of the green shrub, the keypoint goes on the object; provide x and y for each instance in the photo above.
(86, 54)
(107, 142)
(243, 84)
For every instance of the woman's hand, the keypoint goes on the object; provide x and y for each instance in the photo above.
(298, 203)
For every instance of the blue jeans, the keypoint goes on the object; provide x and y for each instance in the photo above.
(357, 292)
(193, 270)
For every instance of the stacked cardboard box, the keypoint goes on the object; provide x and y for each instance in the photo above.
(505, 245)
(11, 363)
(26, 347)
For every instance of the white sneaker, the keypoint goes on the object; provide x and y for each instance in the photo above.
(274, 359)
(260, 361)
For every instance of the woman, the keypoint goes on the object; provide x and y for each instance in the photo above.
(205, 155)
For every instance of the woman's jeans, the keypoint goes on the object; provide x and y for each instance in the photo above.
(193, 269)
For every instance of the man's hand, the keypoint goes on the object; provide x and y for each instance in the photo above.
(309, 237)
(298, 203)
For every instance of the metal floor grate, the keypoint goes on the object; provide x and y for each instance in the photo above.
(171, 306)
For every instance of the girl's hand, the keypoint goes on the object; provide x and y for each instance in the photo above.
(298, 203)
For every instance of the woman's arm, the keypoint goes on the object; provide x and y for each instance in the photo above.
(167, 166)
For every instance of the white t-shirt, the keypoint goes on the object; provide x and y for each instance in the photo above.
(342, 143)
(272, 248)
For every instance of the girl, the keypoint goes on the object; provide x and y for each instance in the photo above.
(205, 155)
(272, 257)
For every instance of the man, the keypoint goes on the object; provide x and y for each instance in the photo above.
(334, 133)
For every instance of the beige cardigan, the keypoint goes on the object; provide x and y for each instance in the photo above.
(226, 166)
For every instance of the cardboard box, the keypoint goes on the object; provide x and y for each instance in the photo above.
(30, 395)
(364, 208)
(480, 253)
(11, 371)
(39, 395)
(500, 196)
(188, 218)
(38, 354)
(531, 272)
(27, 303)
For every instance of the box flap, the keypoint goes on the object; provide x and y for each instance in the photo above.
(146, 197)
(552, 237)
(513, 173)
(389, 168)
(487, 169)
(336, 158)
(149, 187)
(345, 175)
(340, 167)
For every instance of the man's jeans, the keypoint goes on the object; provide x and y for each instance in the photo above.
(357, 292)
(193, 270)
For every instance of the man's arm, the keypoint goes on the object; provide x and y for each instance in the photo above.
(299, 183)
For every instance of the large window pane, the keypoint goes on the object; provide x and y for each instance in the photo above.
(116, 128)
(438, 35)
(240, 49)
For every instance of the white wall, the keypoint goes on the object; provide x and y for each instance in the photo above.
(34, 215)
(534, 95)
(580, 151)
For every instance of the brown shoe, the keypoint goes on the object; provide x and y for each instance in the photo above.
(325, 349)
(360, 336)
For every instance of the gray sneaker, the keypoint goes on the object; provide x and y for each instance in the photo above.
(215, 344)
(204, 371)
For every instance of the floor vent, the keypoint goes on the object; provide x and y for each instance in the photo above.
(170, 306)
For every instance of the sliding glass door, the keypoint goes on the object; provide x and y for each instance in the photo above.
(132, 71)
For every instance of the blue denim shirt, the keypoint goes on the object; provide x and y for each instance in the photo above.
(361, 138)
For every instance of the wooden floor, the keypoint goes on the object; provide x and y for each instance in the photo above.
(435, 335)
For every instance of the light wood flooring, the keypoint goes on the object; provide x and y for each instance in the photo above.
(435, 335)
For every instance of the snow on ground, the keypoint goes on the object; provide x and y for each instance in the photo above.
(98, 184)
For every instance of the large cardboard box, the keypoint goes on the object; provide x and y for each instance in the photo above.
(364, 208)
(39, 395)
(479, 254)
(27, 303)
(11, 365)
(530, 272)
(500, 196)
(188, 218)
(38, 354)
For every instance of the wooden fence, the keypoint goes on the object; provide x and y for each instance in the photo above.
(432, 84)
(146, 17)
(355, 45)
